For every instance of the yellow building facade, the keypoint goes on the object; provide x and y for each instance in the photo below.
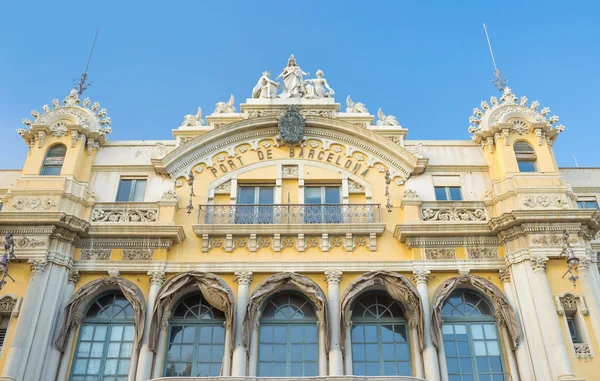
(294, 239)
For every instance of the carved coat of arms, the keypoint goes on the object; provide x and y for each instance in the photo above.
(291, 126)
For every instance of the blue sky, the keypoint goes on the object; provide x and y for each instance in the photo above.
(427, 63)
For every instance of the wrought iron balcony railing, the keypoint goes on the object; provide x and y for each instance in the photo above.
(289, 214)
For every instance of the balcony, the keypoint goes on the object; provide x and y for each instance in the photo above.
(324, 225)
(325, 378)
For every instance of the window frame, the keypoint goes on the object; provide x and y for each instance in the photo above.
(448, 192)
(582, 203)
(197, 324)
(254, 213)
(379, 323)
(323, 188)
(134, 181)
(529, 157)
(468, 321)
(288, 323)
(46, 165)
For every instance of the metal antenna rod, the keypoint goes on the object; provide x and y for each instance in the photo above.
(82, 85)
(499, 83)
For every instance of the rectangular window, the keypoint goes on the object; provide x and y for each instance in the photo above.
(2, 337)
(575, 337)
(322, 205)
(587, 204)
(131, 190)
(448, 194)
(255, 205)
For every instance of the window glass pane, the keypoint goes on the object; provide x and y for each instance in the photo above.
(587, 204)
(139, 190)
(455, 194)
(526, 165)
(332, 195)
(265, 195)
(440, 194)
(246, 195)
(312, 195)
(124, 190)
(51, 170)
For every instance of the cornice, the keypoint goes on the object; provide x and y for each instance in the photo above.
(140, 231)
(441, 242)
(536, 217)
(60, 219)
(122, 168)
(125, 243)
(433, 169)
(441, 229)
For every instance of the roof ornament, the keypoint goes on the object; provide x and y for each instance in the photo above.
(386, 120)
(293, 82)
(498, 82)
(266, 87)
(81, 85)
(357, 107)
(226, 108)
(193, 120)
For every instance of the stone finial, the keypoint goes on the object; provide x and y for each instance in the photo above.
(421, 276)
(243, 277)
(157, 277)
(333, 276)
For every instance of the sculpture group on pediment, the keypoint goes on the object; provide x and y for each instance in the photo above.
(294, 84)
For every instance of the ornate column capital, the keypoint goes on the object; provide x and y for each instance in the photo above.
(412, 324)
(333, 277)
(37, 266)
(539, 263)
(243, 277)
(74, 277)
(584, 265)
(421, 276)
(504, 275)
(157, 277)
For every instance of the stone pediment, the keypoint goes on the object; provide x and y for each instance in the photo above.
(330, 141)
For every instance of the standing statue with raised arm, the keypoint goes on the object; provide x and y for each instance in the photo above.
(318, 87)
(266, 87)
(293, 84)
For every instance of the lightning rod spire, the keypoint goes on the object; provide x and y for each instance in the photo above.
(499, 83)
(81, 85)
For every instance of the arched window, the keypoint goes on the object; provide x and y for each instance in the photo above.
(380, 344)
(288, 340)
(54, 160)
(471, 339)
(196, 339)
(105, 341)
(526, 157)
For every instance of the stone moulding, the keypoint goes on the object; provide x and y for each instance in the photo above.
(117, 214)
(453, 213)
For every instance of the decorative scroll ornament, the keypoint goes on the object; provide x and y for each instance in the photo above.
(483, 253)
(410, 194)
(137, 255)
(124, 215)
(95, 254)
(291, 126)
(544, 201)
(453, 214)
(437, 254)
(486, 122)
(169, 195)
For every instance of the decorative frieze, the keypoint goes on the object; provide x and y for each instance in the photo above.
(224, 188)
(24, 242)
(551, 240)
(504, 275)
(336, 242)
(7, 304)
(313, 242)
(289, 171)
(264, 242)
(33, 203)
(288, 242)
(95, 254)
(410, 194)
(544, 201)
(361, 242)
(122, 215)
(437, 254)
(483, 253)
(354, 187)
(453, 214)
(137, 255)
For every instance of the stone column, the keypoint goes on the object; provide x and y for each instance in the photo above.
(333, 278)
(552, 332)
(20, 346)
(161, 347)
(322, 351)
(243, 279)
(430, 356)
(415, 348)
(144, 368)
(522, 357)
(590, 292)
(253, 358)
(348, 349)
(56, 363)
(512, 364)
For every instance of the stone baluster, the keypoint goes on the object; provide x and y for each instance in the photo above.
(430, 356)
(333, 278)
(243, 279)
(522, 357)
(144, 368)
(551, 330)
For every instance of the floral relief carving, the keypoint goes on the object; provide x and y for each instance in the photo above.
(32, 203)
(288, 242)
(264, 242)
(184, 139)
(25, 242)
(95, 254)
(59, 129)
(568, 303)
(169, 196)
(437, 254)
(453, 214)
(290, 171)
(544, 201)
(224, 188)
(216, 243)
(240, 242)
(125, 215)
(354, 187)
(336, 242)
(312, 242)
(410, 194)
(138, 254)
(7, 304)
(582, 351)
(361, 241)
(551, 240)
(483, 253)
